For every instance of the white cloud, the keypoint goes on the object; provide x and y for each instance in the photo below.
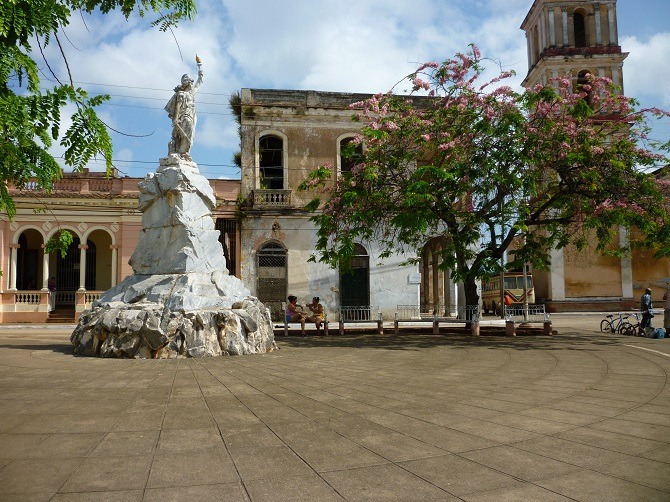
(332, 45)
(646, 74)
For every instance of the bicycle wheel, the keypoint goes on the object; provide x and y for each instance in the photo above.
(628, 329)
(623, 327)
(605, 326)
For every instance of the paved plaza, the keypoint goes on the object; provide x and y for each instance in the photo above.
(577, 416)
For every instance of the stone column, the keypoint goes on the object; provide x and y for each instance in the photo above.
(564, 18)
(611, 19)
(552, 28)
(115, 259)
(616, 77)
(626, 266)
(13, 265)
(429, 280)
(436, 281)
(599, 31)
(529, 52)
(543, 32)
(557, 275)
(448, 292)
(45, 269)
(82, 267)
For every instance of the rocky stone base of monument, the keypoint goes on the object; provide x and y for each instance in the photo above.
(177, 315)
(180, 300)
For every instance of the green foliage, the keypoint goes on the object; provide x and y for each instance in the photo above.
(492, 171)
(59, 243)
(30, 118)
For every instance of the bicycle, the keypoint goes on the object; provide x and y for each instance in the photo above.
(632, 329)
(612, 324)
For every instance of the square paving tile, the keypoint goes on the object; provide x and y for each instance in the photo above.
(595, 487)
(458, 475)
(66, 446)
(646, 472)
(204, 467)
(140, 421)
(517, 493)
(106, 496)
(120, 444)
(289, 488)
(270, 462)
(622, 443)
(518, 463)
(20, 476)
(228, 492)
(109, 473)
(397, 447)
(384, 482)
(571, 452)
(181, 440)
(661, 454)
(332, 453)
(16, 445)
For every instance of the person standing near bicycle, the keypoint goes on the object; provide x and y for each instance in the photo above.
(646, 307)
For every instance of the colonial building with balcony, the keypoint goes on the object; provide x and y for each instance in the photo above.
(285, 134)
(101, 214)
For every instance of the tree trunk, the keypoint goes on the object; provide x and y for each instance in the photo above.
(471, 296)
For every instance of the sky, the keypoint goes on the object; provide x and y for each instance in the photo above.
(365, 46)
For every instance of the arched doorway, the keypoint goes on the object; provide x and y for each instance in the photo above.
(355, 283)
(28, 261)
(67, 272)
(99, 261)
(272, 277)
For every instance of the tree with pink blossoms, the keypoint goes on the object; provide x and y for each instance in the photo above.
(483, 165)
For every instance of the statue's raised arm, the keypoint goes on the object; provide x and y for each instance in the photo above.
(181, 109)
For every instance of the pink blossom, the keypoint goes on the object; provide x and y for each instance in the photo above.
(420, 84)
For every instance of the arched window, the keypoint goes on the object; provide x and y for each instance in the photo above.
(28, 261)
(579, 27)
(350, 154)
(271, 162)
(355, 283)
(272, 260)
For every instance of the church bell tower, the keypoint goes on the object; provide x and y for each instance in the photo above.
(570, 38)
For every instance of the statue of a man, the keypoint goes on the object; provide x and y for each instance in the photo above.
(181, 109)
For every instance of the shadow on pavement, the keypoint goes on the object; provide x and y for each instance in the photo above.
(567, 340)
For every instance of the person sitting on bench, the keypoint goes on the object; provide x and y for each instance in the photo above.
(318, 315)
(293, 314)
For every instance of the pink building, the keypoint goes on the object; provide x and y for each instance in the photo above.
(101, 214)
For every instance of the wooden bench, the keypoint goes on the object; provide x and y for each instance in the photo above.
(467, 316)
(413, 314)
(361, 315)
(534, 315)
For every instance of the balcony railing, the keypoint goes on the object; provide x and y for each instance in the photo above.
(272, 198)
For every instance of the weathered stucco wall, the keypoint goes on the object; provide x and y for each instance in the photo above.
(389, 282)
(589, 274)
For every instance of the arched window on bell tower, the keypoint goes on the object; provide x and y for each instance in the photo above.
(580, 31)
